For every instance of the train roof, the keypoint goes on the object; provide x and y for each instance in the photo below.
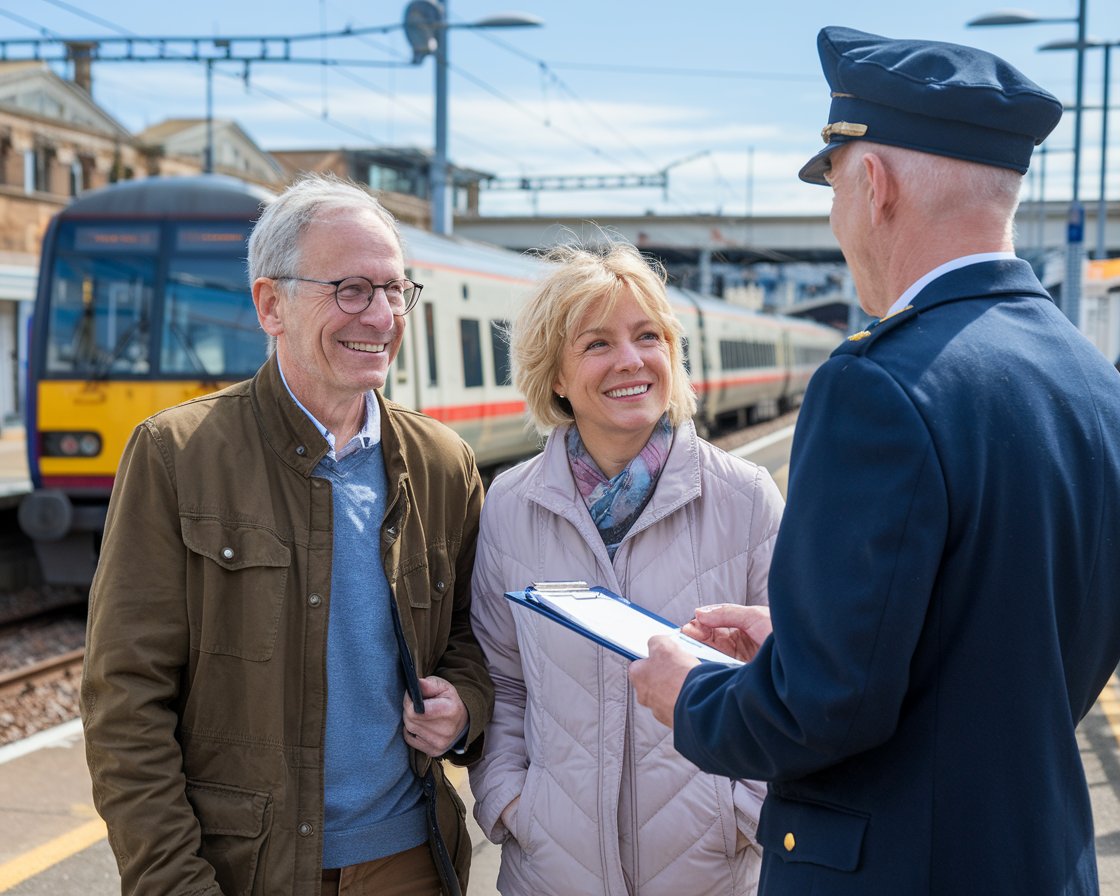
(713, 305)
(217, 194)
(204, 194)
(454, 252)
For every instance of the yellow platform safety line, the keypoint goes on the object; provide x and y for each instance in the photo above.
(1109, 702)
(36, 861)
(16, 871)
(456, 774)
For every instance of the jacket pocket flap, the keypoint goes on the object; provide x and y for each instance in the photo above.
(228, 811)
(232, 546)
(427, 576)
(812, 832)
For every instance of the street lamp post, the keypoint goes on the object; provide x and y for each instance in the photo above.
(1102, 203)
(426, 26)
(1075, 226)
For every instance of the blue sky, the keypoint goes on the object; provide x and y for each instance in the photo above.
(726, 94)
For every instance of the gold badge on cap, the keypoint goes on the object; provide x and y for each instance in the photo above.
(843, 129)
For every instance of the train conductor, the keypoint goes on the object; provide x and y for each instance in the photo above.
(944, 586)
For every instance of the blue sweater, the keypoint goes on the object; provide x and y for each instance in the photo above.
(373, 803)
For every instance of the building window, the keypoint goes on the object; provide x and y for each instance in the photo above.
(77, 178)
(37, 169)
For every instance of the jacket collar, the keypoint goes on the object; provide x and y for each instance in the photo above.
(988, 280)
(287, 429)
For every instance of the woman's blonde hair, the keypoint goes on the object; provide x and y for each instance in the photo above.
(586, 278)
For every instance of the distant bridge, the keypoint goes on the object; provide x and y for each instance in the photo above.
(749, 240)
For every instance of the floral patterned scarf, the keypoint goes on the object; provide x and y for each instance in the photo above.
(615, 503)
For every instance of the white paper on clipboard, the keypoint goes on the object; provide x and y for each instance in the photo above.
(615, 621)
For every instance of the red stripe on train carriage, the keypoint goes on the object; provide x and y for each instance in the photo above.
(461, 412)
(710, 385)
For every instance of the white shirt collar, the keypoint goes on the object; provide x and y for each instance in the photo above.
(922, 282)
(366, 437)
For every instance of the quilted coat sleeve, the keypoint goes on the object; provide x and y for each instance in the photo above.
(499, 776)
(767, 505)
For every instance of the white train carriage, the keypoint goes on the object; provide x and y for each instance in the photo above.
(454, 363)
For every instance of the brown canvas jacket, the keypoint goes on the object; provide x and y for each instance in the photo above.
(204, 690)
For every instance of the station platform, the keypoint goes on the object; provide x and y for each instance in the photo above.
(52, 842)
(15, 481)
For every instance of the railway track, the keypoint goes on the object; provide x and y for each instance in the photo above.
(46, 671)
(40, 672)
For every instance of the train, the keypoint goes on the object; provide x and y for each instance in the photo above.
(142, 302)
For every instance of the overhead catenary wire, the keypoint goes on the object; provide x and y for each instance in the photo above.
(347, 69)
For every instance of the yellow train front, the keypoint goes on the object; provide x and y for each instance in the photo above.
(141, 304)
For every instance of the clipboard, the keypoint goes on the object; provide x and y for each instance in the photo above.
(609, 619)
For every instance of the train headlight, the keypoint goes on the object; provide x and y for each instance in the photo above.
(71, 444)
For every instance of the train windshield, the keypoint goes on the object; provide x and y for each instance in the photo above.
(100, 316)
(151, 300)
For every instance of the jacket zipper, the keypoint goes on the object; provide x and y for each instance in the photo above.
(444, 865)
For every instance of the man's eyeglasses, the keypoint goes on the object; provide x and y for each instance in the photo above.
(354, 294)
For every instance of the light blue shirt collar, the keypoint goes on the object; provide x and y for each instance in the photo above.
(366, 437)
(922, 282)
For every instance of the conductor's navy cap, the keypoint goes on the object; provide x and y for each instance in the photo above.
(940, 98)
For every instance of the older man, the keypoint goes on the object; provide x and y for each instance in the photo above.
(279, 641)
(944, 582)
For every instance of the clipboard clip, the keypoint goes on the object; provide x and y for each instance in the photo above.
(575, 590)
(560, 586)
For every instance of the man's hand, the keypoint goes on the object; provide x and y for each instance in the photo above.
(445, 716)
(658, 680)
(735, 630)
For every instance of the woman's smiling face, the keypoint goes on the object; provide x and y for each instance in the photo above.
(615, 372)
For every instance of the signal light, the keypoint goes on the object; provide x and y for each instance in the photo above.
(70, 444)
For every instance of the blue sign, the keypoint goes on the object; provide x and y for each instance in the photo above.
(1075, 229)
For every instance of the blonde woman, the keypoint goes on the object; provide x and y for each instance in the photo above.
(580, 784)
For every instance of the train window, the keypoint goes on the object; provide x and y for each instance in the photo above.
(400, 363)
(470, 338)
(735, 354)
(466, 290)
(430, 333)
(100, 315)
(210, 326)
(499, 348)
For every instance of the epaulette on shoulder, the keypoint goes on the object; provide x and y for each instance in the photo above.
(859, 342)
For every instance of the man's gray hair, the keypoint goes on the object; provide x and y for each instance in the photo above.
(274, 244)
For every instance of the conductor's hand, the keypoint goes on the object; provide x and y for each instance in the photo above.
(445, 716)
(658, 680)
(733, 629)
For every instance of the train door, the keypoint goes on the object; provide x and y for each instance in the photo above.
(786, 363)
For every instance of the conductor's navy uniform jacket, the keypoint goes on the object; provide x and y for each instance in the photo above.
(945, 594)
